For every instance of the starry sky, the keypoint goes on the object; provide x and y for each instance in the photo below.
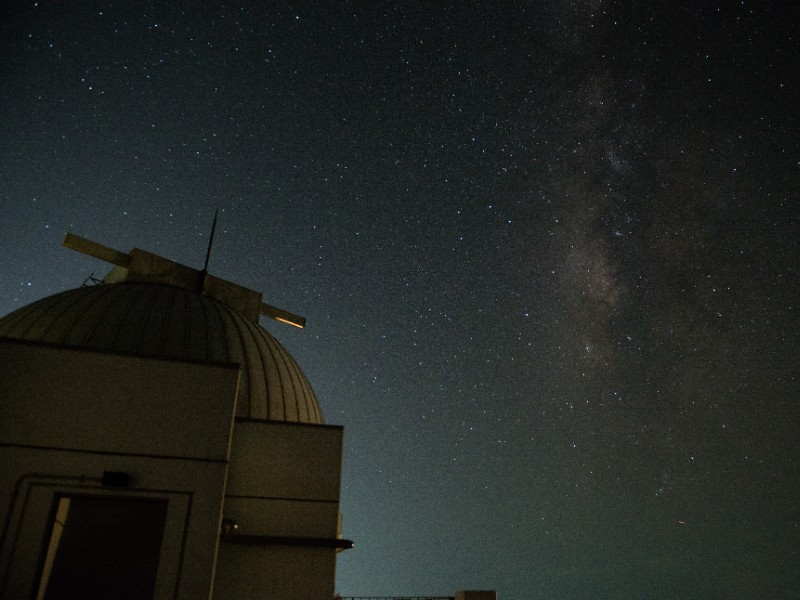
(548, 253)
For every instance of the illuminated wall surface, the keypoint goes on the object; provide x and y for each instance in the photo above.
(70, 416)
(157, 443)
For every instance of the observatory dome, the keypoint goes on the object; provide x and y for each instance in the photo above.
(168, 321)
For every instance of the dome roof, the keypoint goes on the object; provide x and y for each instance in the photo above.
(160, 320)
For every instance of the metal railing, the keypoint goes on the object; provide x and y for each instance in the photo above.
(395, 598)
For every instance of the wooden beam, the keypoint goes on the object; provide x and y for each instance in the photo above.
(84, 246)
(283, 316)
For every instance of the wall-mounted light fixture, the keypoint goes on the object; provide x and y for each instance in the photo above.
(228, 527)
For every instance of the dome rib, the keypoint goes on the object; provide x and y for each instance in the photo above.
(94, 311)
(265, 348)
(18, 319)
(154, 321)
(272, 376)
(167, 332)
(239, 355)
(124, 315)
(255, 369)
(198, 309)
(217, 343)
(283, 368)
(132, 333)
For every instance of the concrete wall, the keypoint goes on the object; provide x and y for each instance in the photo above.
(283, 482)
(81, 400)
(67, 416)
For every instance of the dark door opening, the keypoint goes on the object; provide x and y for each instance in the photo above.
(103, 547)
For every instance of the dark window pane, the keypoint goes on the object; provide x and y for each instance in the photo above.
(103, 548)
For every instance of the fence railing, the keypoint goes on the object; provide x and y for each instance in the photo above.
(395, 598)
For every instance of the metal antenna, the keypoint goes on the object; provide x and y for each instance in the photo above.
(211, 240)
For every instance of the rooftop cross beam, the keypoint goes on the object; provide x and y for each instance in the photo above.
(139, 265)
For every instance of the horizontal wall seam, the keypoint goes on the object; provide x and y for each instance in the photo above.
(111, 453)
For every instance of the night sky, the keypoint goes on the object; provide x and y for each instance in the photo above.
(548, 252)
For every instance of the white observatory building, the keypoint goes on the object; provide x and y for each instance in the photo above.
(156, 442)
